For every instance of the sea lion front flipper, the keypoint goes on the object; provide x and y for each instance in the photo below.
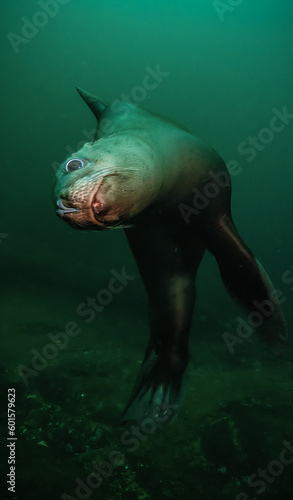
(243, 275)
(167, 259)
(96, 105)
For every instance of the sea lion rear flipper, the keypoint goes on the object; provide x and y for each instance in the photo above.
(167, 259)
(245, 278)
(158, 394)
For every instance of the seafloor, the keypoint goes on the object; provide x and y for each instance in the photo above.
(237, 417)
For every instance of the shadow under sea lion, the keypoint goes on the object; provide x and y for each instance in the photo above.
(145, 173)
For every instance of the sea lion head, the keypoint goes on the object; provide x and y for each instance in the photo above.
(106, 183)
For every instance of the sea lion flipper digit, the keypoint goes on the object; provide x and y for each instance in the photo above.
(158, 393)
(243, 275)
(167, 259)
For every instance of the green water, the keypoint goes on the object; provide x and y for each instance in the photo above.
(226, 73)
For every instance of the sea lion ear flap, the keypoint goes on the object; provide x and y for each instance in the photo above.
(96, 105)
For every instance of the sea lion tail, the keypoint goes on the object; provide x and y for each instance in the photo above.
(158, 393)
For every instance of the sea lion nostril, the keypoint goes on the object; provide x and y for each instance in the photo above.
(64, 209)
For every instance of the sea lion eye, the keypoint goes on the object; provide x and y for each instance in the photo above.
(74, 164)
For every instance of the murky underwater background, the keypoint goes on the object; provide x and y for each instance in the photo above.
(227, 72)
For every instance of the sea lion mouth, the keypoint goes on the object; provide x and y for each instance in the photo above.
(98, 212)
(63, 209)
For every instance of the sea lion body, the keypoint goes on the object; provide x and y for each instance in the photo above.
(147, 174)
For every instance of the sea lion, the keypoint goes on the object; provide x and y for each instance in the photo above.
(171, 193)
